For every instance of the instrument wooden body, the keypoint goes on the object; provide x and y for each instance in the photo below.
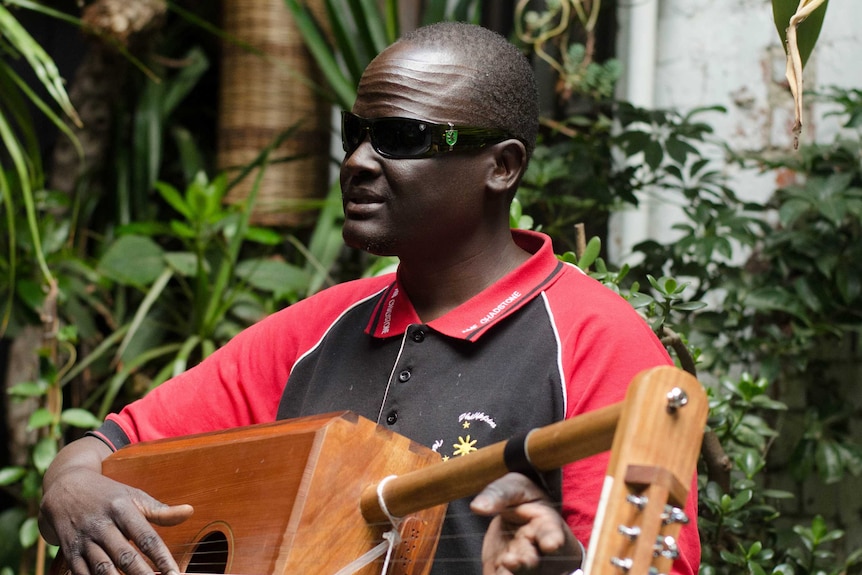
(302, 496)
(284, 495)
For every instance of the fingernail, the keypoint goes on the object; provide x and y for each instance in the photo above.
(480, 503)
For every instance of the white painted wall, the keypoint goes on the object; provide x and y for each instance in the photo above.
(727, 52)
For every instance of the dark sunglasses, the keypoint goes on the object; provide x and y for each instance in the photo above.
(401, 138)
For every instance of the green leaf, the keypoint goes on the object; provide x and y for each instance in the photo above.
(184, 263)
(133, 260)
(10, 475)
(28, 389)
(174, 198)
(77, 417)
(828, 461)
(263, 236)
(274, 276)
(43, 453)
(594, 247)
(29, 532)
(40, 418)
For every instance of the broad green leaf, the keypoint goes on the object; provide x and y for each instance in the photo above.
(40, 418)
(274, 276)
(29, 533)
(828, 462)
(28, 389)
(184, 263)
(82, 418)
(133, 260)
(594, 247)
(44, 452)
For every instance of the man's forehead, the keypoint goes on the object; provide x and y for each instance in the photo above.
(404, 79)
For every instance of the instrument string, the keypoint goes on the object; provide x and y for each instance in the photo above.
(205, 558)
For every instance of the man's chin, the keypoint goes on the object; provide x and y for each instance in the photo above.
(374, 245)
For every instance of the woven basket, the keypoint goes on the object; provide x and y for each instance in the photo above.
(260, 97)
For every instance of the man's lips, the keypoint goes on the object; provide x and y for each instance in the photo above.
(359, 203)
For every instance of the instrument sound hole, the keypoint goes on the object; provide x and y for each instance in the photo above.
(210, 555)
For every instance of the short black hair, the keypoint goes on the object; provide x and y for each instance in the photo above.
(504, 94)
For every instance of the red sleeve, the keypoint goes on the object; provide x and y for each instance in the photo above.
(606, 344)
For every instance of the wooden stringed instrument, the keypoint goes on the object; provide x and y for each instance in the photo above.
(308, 495)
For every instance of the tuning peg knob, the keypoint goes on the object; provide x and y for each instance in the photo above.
(674, 515)
(630, 533)
(676, 398)
(666, 547)
(639, 501)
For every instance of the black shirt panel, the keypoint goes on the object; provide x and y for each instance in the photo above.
(452, 395)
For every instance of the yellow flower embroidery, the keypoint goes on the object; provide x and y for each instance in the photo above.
(464, 446)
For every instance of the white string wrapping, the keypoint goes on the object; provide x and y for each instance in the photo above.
(391, 539)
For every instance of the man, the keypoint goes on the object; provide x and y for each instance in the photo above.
(481, 334)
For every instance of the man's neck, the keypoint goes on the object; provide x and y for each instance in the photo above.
(436, 287)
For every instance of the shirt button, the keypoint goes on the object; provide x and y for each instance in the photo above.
(404, 376)
(418, 336)
(392, 418)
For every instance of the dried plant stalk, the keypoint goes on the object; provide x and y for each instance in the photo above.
(794, 61)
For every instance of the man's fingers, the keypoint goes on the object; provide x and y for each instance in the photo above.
(520, 554)
(168, 515)
(141, 532)
(511, 489)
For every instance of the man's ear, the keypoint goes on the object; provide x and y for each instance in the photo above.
(510, 163)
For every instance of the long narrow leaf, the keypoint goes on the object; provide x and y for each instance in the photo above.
(116, 382)
(369, 24)
(39, 60)
(101, 350)
(184, 82)
(15, 107)
(150, 299)
(218, 299)
(42, 9)
(39, 103)
(351, 53)
(393, 27)
(471, 11)
(22, 170)
(6, 194)
(343, 90)
(181, 359)
(435, 11)
(325, 243)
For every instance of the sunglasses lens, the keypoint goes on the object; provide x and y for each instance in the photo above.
(401, 137)
(352, 129)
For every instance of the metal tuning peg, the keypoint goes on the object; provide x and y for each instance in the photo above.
(630, 533)
(639, 501)
(676, 398)
(674, 514)
(666, 547)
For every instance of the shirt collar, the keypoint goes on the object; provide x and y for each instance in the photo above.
(470, 320)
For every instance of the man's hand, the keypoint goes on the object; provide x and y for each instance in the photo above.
(527, 534)
(94, 518)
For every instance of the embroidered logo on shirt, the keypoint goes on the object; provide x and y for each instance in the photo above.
(387, 316)
(463, 441)
(500, 307)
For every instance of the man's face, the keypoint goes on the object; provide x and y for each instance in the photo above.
(411, 207)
